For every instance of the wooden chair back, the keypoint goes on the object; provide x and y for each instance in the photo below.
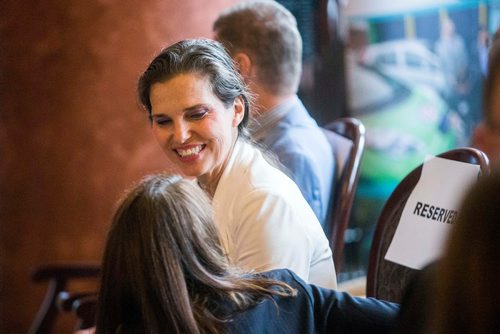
(347, 139)
(57, 298)
(387, 280)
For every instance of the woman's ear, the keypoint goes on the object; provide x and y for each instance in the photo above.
(239, 111)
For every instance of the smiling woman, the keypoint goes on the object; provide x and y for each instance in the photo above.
(197, 131)
(198, 107)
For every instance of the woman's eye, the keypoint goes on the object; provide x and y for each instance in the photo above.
(161, 121)
(198, 115)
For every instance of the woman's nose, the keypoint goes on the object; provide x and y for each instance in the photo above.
(181, 132)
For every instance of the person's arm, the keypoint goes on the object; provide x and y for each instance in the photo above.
(303, 173)
(339, 312)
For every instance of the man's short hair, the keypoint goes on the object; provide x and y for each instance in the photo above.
(268, 33)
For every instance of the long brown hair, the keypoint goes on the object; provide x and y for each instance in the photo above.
(468, 276)
(164, 269)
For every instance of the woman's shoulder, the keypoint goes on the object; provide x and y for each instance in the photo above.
(251, 184)
(250, 171)
(287, 276)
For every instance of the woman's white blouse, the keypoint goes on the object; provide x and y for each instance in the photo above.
(265, 223)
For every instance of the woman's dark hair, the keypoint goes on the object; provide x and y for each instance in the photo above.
(205, 57)
(164, 269)
(469, 272)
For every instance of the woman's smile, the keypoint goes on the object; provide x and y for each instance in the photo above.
(189, 152)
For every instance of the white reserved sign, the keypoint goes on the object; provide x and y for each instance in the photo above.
(430, 212)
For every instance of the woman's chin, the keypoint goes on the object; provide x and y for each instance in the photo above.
(189, 173)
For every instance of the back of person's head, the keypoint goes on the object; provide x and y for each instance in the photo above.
(205, 57)
(162, 239)
(268, 33)
(468, 275)
(164, 269)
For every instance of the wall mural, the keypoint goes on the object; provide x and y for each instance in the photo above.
(414, 76)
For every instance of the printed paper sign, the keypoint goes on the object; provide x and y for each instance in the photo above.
(430, 212)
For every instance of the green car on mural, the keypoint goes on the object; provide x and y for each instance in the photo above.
(404, 124)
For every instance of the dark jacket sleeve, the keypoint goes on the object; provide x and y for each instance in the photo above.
(338, 312)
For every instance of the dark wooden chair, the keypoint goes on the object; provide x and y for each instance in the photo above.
(85, 311)
(57, 299)
(347, 139)
(387, 280)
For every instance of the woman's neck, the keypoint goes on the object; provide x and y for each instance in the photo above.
(210, 182)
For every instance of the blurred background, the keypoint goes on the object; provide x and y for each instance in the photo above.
(72, 137)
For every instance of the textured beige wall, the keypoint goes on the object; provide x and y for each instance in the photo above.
(72, 137)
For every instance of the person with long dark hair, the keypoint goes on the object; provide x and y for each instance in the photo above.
(164, 270)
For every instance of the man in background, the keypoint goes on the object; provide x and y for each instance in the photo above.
(264, 41)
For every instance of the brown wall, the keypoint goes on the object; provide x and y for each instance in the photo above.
(72, 137)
